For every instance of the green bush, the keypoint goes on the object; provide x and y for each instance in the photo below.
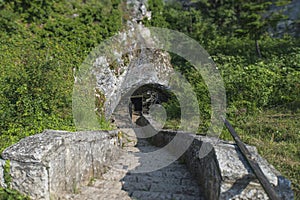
(8, 194)
(41, 43)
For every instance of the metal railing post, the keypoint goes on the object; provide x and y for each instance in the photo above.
(269, 189)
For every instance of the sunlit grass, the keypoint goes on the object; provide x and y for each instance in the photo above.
(276, 134)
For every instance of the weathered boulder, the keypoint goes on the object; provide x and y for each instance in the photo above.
(46, 165)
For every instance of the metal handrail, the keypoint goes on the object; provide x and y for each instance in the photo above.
(269, 189)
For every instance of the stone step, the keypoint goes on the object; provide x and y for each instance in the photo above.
(158, 187)
(110, 193)
(104, 195)
(170, 173)
(105, 184)
(175, 167)
(145, 195)
(175, 189)
(140, 178)
(114, 175)
(93, 193)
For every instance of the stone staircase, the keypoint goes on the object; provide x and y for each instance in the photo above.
(173, 182)
(63, 165)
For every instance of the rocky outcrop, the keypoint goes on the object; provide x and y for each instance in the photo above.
(46, 165)
(134, 65)
(138, 10)
(121, 65)
(291, 24)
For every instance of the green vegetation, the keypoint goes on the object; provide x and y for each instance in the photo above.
(8, 194)
(261, 75)
(41, 42)
(7, 177)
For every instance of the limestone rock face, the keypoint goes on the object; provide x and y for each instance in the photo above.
(30, 178)
(291, 24)
(47, 164)
(138, 10)
(133, 66)
(117, 67)
(129, 60)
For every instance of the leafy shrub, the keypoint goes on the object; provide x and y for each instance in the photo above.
(9, 194)
(41, 43)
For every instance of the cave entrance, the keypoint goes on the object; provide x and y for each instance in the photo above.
(136, 107)
(137, 103)
(144, 97)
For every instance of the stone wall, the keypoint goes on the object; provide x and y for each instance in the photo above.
(46, 165)
(2, 182)
(53, 163)
(232, 175)
(220, 168)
